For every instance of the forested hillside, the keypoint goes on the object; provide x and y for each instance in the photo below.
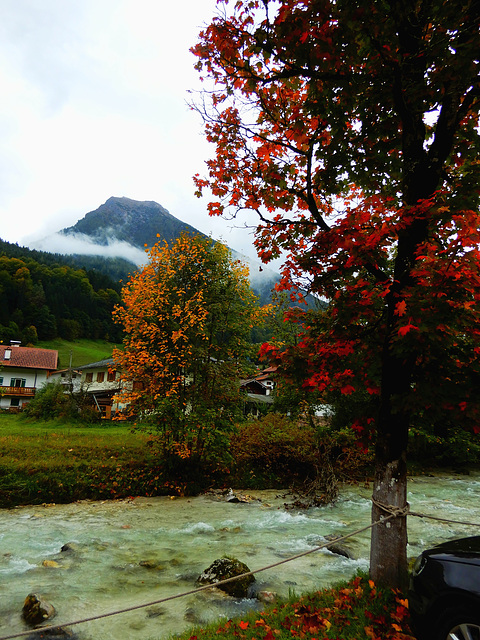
(42, 297)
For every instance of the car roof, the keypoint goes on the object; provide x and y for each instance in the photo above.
(459, 548)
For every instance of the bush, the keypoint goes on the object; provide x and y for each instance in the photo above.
(277, 451)
(50, 402)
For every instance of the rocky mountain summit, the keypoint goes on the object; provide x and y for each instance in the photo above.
(131, 221)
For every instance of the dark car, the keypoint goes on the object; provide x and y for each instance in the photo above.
(444, 595)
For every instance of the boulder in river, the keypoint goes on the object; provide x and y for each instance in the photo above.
(36, 609)
(58, 633)
(339, 549)
(225, 568)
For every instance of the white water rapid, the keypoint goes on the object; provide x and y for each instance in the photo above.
(138, 551)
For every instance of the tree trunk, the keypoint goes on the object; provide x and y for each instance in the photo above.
(388, 556)
(388, 552)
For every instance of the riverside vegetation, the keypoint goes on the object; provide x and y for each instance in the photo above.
(350, 610)
(63, 459)
(50, 454)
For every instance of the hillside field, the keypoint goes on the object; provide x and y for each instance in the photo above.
(83, 351)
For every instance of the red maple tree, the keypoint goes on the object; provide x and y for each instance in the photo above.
(351, 130)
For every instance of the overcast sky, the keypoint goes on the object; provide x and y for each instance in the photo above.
(93, 105)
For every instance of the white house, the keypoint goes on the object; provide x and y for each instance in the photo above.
(23, 370)
(68, 378)
(101, 382)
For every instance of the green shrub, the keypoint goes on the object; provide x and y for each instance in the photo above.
(50, 402)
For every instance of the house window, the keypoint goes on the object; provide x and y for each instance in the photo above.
(111, 376)
(18, 382)
(1, 380)
(15, 402)
(89, 377)
(100, 376)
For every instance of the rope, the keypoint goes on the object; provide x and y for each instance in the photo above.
(393, 511)
(405, 511)
(424, 515)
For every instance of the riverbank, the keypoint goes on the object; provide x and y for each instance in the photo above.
(62, 461)
(350, 610)
(53, 461)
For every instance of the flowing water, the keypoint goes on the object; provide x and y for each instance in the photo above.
(125, 553)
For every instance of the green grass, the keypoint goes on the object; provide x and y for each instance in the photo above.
(350, 611)
(82, 351)
(59, 461)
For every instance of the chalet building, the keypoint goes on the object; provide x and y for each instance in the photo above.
(68, 378)
(259, 390)
(23, 370)
(101, 382)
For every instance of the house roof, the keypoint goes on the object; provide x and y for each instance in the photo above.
(260, 399)
(28, 357)
(108, 362)
(244, 383)
(270, 370)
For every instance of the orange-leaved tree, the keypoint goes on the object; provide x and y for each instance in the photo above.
(187, 317)
(351, 130)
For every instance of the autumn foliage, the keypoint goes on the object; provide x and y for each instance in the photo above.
(351, 130)
(187, 316)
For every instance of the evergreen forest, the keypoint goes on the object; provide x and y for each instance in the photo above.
(45, 296)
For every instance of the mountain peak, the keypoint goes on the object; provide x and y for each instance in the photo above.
(125, 220)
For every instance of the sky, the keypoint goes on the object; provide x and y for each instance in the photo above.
(94, 104)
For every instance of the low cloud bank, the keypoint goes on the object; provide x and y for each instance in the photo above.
(78, 243)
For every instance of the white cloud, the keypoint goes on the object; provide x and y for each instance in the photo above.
(78, 243)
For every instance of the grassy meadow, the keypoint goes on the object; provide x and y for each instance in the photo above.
(57, 461)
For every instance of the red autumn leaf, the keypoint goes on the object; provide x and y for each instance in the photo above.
(347, 389)
(400, 308)
(405, 329)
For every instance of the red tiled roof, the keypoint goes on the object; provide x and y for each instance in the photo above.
(28, 357)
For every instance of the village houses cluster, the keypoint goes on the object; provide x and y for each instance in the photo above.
(25, 370)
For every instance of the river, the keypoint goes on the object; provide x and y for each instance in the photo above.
(137, 551)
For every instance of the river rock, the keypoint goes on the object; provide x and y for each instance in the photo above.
(267, 597)
(69, 547)
(51, 564)
(36, 609)
(339, 549)
(57, 634)
(225, 568)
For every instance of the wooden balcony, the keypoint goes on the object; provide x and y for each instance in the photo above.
(24, 392)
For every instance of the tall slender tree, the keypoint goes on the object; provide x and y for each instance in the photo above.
(351, 130)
